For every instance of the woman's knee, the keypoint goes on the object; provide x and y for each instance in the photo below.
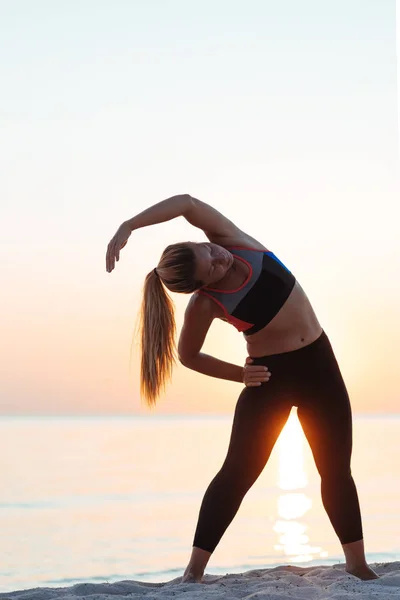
(336, 474)
(237, 476)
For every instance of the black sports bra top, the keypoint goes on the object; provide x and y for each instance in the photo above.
(255, 303)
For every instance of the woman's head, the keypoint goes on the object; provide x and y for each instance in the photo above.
(184, 268)
(188, 266)
(177, 268)
(212, 262)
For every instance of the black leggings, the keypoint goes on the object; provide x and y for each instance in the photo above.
(310, 379)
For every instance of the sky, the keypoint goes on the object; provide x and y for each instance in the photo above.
(283, 115)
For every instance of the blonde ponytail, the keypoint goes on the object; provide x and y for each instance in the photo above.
(157, 338)
(157, 327)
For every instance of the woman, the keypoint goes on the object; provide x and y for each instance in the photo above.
(291, 363)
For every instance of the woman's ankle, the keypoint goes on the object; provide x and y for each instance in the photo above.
(354, 554)
(193, 571)
(197, 562)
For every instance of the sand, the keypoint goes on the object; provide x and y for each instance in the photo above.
(279, 583)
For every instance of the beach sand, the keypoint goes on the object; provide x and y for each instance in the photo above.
(300, 583)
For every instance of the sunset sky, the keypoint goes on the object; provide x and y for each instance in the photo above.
(281, 114)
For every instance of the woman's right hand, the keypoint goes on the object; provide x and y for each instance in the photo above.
(254, 375)
(116, 244)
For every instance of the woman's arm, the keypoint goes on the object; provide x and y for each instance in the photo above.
(168, 209)
(214, 367)
(158, 213)
(218, 228)
(215, 225)
(199, 314)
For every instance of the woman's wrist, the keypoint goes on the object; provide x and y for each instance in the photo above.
(168, 209)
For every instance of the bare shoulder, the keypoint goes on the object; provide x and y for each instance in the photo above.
(240, 238)
(201, 306)
(217, 227)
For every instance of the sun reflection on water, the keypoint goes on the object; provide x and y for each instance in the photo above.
(292, 536)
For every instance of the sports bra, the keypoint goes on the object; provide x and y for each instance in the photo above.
(255, 303)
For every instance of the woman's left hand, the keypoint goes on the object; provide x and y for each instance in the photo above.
(116, 244)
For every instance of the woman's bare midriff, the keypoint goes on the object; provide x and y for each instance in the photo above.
(295, 326)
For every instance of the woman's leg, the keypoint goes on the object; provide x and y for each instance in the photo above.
(260, 414)
(324, 412)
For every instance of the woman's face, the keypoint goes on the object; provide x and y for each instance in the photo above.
(212, 262)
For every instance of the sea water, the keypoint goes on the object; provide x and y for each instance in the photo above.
(105, 499)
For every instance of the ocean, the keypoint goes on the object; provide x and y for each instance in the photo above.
(111, 498)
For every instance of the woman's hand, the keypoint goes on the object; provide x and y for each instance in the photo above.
(116, 244)
(254, 374)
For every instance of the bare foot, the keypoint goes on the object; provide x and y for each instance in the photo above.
(363, 572)
(190, 577)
